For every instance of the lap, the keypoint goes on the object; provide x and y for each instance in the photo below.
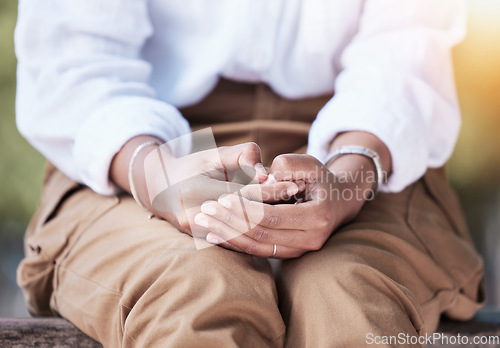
(113, 272)
(409, 248)
(94, 255)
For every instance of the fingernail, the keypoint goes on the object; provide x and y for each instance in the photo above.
(259, 168)
(301, 185)
(270, 179)
(292, 189)
(201, 220)
(208, 209)
(225, 202)
(212, 238)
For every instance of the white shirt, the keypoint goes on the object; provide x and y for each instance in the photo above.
(94, 73)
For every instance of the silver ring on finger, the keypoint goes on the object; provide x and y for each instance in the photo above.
(274, 250)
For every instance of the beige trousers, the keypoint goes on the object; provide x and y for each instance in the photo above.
(129, 281)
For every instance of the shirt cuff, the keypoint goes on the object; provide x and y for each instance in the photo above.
(105, 132)
(406, 142)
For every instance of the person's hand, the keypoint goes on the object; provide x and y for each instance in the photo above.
(327, 202)
(176, 187)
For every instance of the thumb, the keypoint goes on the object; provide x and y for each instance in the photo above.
(293, 167)
(245, 157)
(270, 193)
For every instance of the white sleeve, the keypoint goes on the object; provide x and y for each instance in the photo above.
(82, 85)
(397, 83)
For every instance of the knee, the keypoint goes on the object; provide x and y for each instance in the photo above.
(220, 275)
(313, 276)
(343, 289)
(344, 278)
(212, 292)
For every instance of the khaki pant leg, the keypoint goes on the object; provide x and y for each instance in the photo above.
(392, 271)
(129, 281)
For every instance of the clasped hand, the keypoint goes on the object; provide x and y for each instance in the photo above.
(230, 200)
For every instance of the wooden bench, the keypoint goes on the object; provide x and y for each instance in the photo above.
(43, 333)
(57, 332)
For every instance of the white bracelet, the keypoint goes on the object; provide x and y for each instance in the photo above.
(363, 151)
(131, 165)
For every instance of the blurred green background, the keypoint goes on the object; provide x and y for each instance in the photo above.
(474, 169)
(20, 164)
(20, 171)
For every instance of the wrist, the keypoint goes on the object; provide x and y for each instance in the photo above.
(127, 167)
(363, 156)
(139, 155)
(355, 180)
(355, 172)
(376, 176)
(368, 141)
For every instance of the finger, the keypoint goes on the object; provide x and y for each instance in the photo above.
(289, 167)
(214, 187)
(217, 240)
(291, 238)
(245, 156)
(236, 221)
(279, 216)
(226, 236)
(281, 252)
(270, 193)
(272, 180)
(190, 192)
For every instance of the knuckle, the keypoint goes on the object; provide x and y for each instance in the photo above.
(261, 234)
(249, 248)
(322, 222)
(315, 244)
(252, 147)
(272, 220)
(227, 217)
(321, 218)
